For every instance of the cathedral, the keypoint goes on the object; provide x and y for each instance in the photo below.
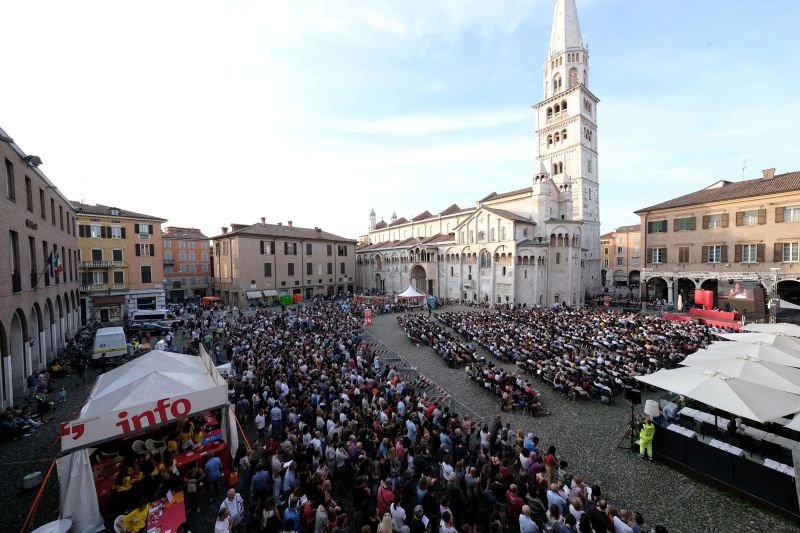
(537, 245)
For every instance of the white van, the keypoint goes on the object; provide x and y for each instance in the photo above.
(156, 315)
(109, 341)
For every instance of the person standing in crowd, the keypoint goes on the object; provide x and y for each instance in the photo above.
(234, 505)
(646, 435)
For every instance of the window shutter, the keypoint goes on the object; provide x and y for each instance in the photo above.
(705, 221)
(105, 232)
(778, 215)
(152, 250)
(663, 255)
(285, 248)
(138, 249)
(723, 253)
(777, 251)
(105, 277)
(675, 226)
(262, 247)
(82, 231)
(737, 253)
(739, 218)
(693, 223)
(760, 249)
(724, 220)
(762, 216)
(150, 229)
(122, 232)
(705, 255)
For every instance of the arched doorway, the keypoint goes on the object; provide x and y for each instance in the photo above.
(380, 284)
(417, 277)
(657, 288)
(684, 287)
(49, 323)
(59, 336)
(633, 279)
(19, 370)
(35, 328)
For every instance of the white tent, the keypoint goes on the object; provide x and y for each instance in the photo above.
(781, 328)
(410, 292)
(750, 369)
(772, 339)
(737, 396)
(764, 352)
(155, 389)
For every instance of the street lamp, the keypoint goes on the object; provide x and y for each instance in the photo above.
(774, 300)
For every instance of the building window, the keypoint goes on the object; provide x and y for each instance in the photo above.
(684, 224)
(182, 256)
(634, 261)
(342, 251)
(289, 248)
(749, 253)
(145, 250)
(715, 254)
(620, 261)
(182, 268)
(42, 204)
(167, 243)
(714, 221)
(750, 218)
(53, 211)
(330, 250)
(620, 249)
(791, 252)
(116, 255)
(683, 254)
(95, 232)
(309, 269)
(119, 277)
(290, 269)
(558, 258)
(486, 260)
(11, 190)
(192, 267)
(657, 226)
(28, 194)
(147, 276)
(330, 268)
(145, 229)
(791, 214)
(181, 245)
(97, 254)
(658, 255)
(204, 268)
(116, 232)
(191, 245)
(192, 256)
(341, 268)
(308, 248)
(267, 247)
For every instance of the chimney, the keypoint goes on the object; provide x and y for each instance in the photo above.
(224, 230)
(280, 223)
(319, 230)
(263, 220)
(290, 223)
(768, 173)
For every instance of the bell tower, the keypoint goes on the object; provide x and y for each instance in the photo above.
(566, 130)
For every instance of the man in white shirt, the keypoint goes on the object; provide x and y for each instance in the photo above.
(261, 422)
(234, 504)
(526, 523)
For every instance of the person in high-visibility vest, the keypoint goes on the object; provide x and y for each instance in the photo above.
(646, 438)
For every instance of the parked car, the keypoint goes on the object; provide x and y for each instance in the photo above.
(154, 328)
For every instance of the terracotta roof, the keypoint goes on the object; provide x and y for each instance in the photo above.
(291, 232)
(628, 229)
(401, 220)
(380, 225)
(452, 210)
(439, 238)
(188, 234)
(509, 215)
(495, 196)
(105, 210)
(727, 190)
(607, 235)
(422, 216)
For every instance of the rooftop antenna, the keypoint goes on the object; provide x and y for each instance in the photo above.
(744, 166)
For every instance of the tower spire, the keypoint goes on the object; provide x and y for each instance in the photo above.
(566, 32)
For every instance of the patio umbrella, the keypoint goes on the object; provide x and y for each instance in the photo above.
(763, 352)
(794, 424)
(750, 369)
(782, 328)
(732, 395)
(783, 342)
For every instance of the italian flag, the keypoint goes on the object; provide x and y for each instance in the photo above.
(56, 264)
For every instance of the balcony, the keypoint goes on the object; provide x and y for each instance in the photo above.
(95, 264)
(169, 262)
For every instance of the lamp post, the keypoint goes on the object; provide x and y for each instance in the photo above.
(774, 300)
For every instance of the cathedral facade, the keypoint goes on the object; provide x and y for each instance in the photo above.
(535, 245)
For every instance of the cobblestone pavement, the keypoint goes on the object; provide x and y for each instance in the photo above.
(586, 435)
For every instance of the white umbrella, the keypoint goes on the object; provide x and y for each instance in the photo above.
(764, 352)
(781, 329)
(794, 424)
(783, 342)
(732, 395)
(750, 369)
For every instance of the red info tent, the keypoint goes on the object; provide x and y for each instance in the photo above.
(155, 389)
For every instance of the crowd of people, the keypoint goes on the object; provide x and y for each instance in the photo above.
(347, 444)
(582, 352)
(423, 330)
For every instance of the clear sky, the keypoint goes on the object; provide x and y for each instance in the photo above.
(207, 113)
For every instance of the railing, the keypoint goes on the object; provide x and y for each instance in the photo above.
(119, 264)
(95, 264)
(119, 286)
(94, 287)
(16, 282)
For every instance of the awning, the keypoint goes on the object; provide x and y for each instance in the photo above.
(105, 300)
(270, 292)
(251, 295)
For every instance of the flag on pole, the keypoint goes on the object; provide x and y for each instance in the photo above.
(57, 264)
(48, 265)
